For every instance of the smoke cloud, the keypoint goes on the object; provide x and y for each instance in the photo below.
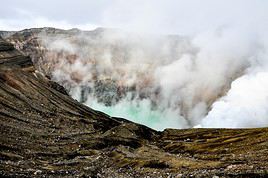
(213, 79)
(213, 73)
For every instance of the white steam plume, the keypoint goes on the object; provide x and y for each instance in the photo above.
(176, 80)
(213, 75)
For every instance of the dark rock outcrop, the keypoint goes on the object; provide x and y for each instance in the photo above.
(45, 133)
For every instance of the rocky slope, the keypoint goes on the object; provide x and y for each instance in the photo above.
(45, 133)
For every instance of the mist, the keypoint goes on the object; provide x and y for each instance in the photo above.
(167, 81)
(165, 64)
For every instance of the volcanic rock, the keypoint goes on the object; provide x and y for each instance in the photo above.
(46, 133)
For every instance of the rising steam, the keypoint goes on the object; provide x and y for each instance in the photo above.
(213, 79)
(214, 74)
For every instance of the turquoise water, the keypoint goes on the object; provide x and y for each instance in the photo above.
(140, 111)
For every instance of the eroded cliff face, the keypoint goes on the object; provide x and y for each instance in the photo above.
(46, 133)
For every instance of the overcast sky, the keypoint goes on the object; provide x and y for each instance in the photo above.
(161, 16)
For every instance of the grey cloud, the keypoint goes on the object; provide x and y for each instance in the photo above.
(170, 16)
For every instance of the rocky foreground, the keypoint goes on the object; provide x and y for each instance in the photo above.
(45, 133)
